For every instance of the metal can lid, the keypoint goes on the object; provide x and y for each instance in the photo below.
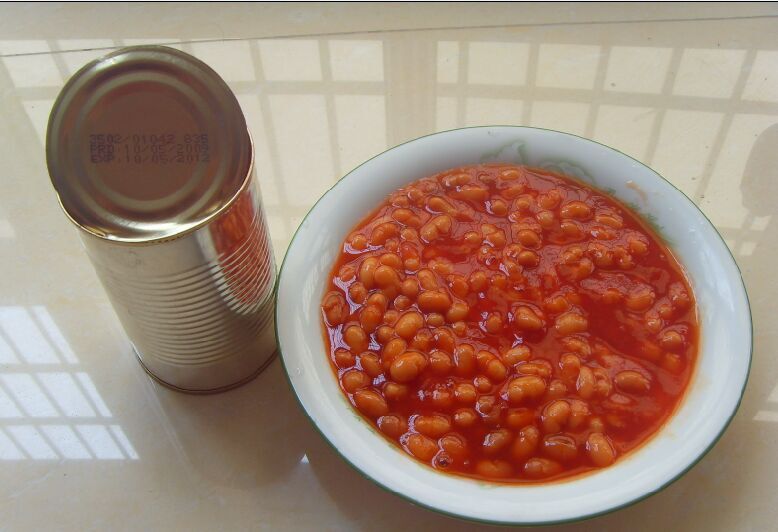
(146, 143)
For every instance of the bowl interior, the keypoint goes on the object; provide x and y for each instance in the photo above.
(713, 395)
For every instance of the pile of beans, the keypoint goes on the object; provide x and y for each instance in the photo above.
(510, 324)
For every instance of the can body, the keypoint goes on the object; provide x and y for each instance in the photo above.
(150, 155)
(198, 308)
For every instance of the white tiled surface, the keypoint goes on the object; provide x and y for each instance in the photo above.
(88, 442)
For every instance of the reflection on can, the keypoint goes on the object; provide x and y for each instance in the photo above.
(170, 213)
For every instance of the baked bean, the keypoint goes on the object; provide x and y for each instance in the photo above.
(517, 418)
(497, 207)
(541, 468)
(493, 323)
(353, 379)
(335, 308)
(432, 426)
(411, 264)
(493, 468)
(585, 383)
(637, 246)
(465, 418)
(440, 363)
(579, 414)
(358, 242)
(577, 345)
(444, 339)
(489, 409)
(465, 393)
(523, 203)
(442, 399)
(546, 219)
(555, 416)
(370, 402)
(347, 273)
(456, 180)
(526, 319)
(596, 424)
(391, 317)
(459, 328)
(528, 259)
(357, 293)
(679, 297)
(370, 318)
(560, 447)
(427, 279)
(393, 348)
(556, 389)
(672, 362)
(385, 276)
(514, 355)
(408, 324)
(650, 351)
(522, 388)
(464, 360)
(539, 367)
(435, 320)
(570, 365)
(556, 304)
(640, 299)
(551, 199)
(406, 217)
(378, 300)
(407, 366)
(421, 446)
(430, 301)
(392, 425)
(344, 359)
(602, 382)
(571, 323)
(600, 450)
(402, 302)
(671, 341)
(509, 174)
(528, 238)
(491, 366)
(571, 229)
(355, 338)
(610, 219)
(455, 446)
(436, 227)
(409, 288)
(632, 382)
(577, 210)
(653, 322)
(371, 364)
(471, 192)
(457, 311)
(525, 444)
(458, 285)
(381, 233)
(383, 334)
(482, 383)
(478, 281)
(422, 340)
(496, 440)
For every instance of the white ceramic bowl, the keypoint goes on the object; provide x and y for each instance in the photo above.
(712, 398)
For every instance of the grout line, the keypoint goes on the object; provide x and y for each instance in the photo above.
(411, 30)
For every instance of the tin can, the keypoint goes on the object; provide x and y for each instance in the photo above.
(149, 153)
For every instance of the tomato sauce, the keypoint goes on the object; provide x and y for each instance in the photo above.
(510, 324)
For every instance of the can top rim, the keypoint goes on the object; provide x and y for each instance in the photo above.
(147, 144)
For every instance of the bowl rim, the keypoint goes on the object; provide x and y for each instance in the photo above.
(468, 518)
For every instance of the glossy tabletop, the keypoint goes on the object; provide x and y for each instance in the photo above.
(88, 441)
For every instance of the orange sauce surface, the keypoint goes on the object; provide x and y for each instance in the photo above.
(509, 324)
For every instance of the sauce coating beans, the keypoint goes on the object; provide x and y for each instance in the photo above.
(509, 324)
